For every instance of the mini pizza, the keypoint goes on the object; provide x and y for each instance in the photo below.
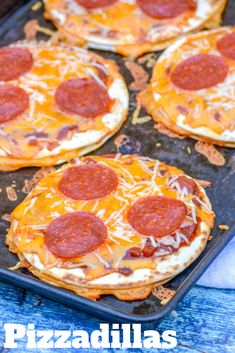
(111, 225)
(56, 103)
(192, 90)
(131, 27)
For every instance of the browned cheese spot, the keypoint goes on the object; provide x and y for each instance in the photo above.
(164, 130)
(163, 293)
(210, 152)
(11, 193)
(30, 29)
(139, 74)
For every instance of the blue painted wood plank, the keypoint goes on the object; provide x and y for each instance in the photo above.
(204, 320)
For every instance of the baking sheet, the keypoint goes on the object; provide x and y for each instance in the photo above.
(141, 138)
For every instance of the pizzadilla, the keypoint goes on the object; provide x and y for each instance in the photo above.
(131, 27)
(111, 225)
(192, 87)
(56, 103)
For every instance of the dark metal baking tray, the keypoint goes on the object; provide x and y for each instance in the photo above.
(141, 138)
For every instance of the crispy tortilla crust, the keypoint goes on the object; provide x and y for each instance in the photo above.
(128, 294)
(145, 275)
(18, 145)
(69, 28)
(155, 101)
(167, 266)
(11, 164)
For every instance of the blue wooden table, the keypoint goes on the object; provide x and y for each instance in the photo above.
(204, 320)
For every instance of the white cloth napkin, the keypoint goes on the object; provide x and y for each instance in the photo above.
(221, 273)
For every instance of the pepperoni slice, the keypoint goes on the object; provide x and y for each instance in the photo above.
(226, 46)
(165, 8)
(156, 215)
(199, 71)
(94, 4)
(75, 234)
(186, 183)
(13, 102)
(14, 62)
(88, 181)
(83, 96)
